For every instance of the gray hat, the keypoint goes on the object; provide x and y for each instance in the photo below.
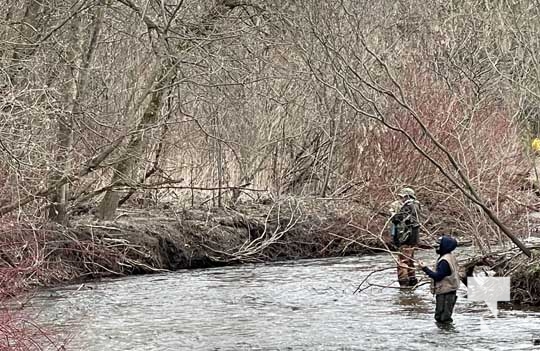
(407, 192)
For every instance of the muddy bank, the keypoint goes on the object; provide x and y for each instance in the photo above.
(145, 241)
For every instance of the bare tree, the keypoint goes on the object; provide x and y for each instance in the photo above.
(369, 86)
(288, 97)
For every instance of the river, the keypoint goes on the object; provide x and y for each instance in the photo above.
(295, 305)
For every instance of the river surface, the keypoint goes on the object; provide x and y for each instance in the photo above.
(298, 305)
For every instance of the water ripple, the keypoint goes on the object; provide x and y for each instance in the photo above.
(303, 305)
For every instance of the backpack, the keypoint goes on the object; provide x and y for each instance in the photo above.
(404, 221)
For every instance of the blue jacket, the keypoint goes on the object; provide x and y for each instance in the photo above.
(447, 245)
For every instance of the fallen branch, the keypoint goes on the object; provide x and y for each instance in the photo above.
(369, 275)
(90, 166)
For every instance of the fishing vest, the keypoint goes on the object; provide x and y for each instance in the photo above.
(450, 282)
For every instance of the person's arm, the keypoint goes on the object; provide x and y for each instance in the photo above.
(397, 217)
(443, 270)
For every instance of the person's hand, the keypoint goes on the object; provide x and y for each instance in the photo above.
(421, 263)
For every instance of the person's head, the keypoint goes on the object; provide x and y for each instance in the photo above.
(446, 244)
(407, 193)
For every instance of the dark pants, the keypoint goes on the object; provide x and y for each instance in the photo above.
(444, 306)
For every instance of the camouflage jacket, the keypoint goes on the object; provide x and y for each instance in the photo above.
(405, 222)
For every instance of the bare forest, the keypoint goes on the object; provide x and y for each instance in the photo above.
(151, 105)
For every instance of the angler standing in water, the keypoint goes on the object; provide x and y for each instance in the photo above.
(445, 279)
(405, 230)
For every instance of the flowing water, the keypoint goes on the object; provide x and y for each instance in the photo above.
(298, 305)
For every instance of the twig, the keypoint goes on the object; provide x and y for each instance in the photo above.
(369, 275)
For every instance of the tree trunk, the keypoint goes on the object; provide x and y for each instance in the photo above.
(152, 170)
(57, 210)
(134, 150)
(334, 127)
(219, 158)
(64, 136)
(29, 32)
(80, 63)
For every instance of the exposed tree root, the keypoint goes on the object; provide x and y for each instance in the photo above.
(144, 242)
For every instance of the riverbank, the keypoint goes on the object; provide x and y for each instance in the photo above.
(142, 241)
(145, 241)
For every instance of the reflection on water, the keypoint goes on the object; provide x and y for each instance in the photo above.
(413, 302)
(302, 305)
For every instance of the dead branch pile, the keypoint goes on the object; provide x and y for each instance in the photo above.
(143, 241)
(524, 273)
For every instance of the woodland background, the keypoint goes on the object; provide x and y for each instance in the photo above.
(217, 102)
(154, 104)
